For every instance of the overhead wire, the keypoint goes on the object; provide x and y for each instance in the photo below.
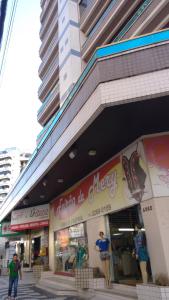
(7, 40)
(3, 6)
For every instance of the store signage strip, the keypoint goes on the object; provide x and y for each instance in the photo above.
(115, 185)
(5, 230)
(30, 225)
(29, 218)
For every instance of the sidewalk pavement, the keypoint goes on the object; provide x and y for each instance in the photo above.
(27, 278)
(28, 285)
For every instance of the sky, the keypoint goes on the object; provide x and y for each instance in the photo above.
(18, 88)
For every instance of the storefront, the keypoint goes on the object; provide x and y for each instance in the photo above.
(14, 242)
(71, 248)
(107, 200)
(34, 221)
(122, 232)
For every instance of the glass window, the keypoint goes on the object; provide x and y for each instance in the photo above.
(71, 249)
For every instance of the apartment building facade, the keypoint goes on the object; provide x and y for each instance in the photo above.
(72, 30)
(12, 162)
(101, 158)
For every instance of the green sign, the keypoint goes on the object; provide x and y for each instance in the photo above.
(5, 230)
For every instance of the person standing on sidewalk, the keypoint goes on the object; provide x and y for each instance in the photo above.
(14, 272)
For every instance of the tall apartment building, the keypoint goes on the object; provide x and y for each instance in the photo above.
(70, 32)
(12, 162)
(102, 157)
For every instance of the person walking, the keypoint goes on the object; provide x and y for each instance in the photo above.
(14, 271)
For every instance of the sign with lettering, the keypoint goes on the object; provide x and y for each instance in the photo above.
(98, 194)
(147, 208)
(5, 230)
(30, 218)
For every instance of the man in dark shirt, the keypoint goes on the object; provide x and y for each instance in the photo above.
(14, 268)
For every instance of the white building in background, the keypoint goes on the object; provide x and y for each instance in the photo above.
(12, 162)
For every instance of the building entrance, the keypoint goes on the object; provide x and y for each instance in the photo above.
(129, 248)
(36, 242)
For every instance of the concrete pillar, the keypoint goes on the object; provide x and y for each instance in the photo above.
(69, 46)
(51, 250)
(156, 220)
(93, 227)
(27, 249)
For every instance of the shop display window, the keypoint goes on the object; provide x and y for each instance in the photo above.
(71, 249)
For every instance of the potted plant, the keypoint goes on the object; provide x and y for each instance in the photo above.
(157, 290)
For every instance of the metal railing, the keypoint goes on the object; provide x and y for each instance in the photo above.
(47, 78)
(100, 21)
(48, 36)
(5, 161)
(51, 48)
(42, 2)
(45, 9)
(133, 19)
(45, 25)
(84, 12)
(48, 99)
(129, 24)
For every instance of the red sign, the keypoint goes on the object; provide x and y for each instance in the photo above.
(157, 154)
(95, 183)
(30, 218)
(31, 225)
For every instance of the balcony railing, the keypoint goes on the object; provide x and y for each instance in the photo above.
(92, 12)
(45, 25)
(4, 188)
(48, 100)
(51, 49)
(5, 168)
(94, 33)
(5, 181)
(45, 129)
(53, 70)
(42, 3)
(4, 156)
(6, 174)
(5, 161)
(45, 9)
(86, 7)
(48, 37)
(2, 196)
(100, 21)
(133, 19)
